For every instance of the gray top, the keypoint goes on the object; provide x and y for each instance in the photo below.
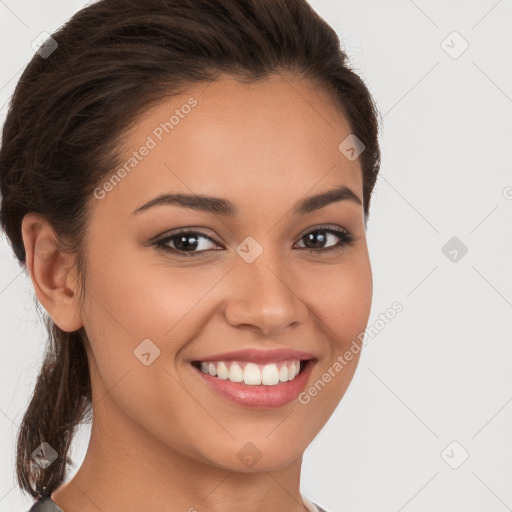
(46, 504)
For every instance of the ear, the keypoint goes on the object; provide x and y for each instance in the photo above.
(54, 283)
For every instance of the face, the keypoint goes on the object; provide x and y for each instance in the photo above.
(285, 280)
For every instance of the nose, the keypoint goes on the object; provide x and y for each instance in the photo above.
(264, 297)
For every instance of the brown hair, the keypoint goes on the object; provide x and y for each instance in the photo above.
(70, 110)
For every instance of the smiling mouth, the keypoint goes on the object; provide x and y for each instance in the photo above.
(253, 374)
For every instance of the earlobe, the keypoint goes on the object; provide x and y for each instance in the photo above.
(50, 273)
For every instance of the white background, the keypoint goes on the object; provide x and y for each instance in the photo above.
(441, 370)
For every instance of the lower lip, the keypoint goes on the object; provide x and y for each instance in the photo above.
(260, 396)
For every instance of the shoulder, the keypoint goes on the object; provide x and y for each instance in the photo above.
(45, 504)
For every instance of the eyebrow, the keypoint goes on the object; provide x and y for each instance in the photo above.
(224, 207)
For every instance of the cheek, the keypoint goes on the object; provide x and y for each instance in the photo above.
(133, 298)
(129, 301)
(341, 298)
(136, 293)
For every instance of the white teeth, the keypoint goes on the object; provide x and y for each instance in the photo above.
(222, 371)
(253, 374)
(270, 375)
(294, 370)
(236, 373)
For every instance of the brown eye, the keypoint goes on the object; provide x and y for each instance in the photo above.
(315, 240)
(186, 243)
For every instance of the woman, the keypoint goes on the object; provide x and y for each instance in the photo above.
(187, 183)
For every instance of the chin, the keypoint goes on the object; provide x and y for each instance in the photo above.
(256, 454)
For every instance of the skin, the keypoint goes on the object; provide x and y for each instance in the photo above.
(160, 439)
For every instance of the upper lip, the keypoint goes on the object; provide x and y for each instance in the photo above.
(259, 356)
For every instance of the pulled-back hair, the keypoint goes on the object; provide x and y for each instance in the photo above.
(72, 107)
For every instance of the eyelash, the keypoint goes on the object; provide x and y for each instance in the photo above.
(347, 239)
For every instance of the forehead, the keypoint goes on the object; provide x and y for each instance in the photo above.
(277, 138)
